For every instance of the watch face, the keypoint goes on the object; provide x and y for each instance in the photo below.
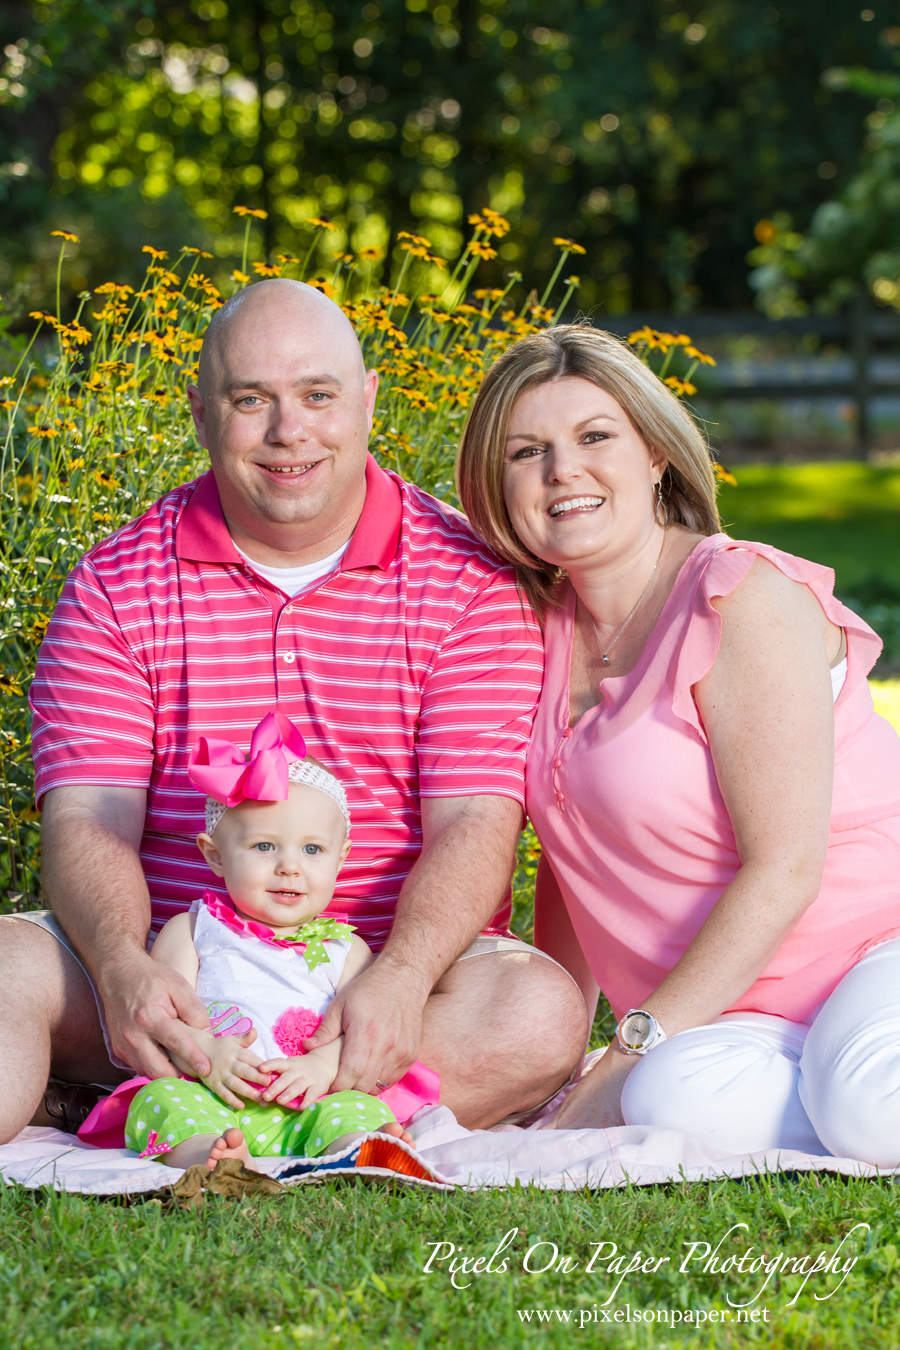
(636, 1031)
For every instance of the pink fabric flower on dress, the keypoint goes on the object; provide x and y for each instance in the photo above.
(292, 1029)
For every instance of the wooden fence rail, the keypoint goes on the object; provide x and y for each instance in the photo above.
(858, 330)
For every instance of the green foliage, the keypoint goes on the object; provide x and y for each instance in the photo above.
(853, 241)
(653, 136)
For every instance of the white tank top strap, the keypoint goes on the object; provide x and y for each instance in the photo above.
(838, 676)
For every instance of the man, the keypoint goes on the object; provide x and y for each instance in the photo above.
(296, 573)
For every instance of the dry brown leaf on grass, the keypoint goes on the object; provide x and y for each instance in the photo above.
(229, 1177)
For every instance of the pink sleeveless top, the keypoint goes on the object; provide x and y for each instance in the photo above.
(632, 822)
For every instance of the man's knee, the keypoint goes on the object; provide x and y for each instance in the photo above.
(45, 992)
(558, 1019)
(31, 973)
(544, 1009)
(523, 1004)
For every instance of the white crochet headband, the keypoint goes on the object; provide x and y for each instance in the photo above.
(299, 771)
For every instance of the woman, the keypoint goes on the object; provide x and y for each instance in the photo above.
(718, 805)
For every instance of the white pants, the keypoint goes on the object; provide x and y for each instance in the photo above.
(751, 1081)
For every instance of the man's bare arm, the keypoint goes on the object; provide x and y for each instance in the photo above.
(93, 880)
(456, 885)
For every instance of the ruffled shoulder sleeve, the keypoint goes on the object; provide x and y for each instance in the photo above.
(717, 567)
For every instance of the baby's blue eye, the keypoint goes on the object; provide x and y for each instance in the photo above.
(264, 847)
(311, 848)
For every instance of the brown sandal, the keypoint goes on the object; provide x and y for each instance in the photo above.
(68, 1105)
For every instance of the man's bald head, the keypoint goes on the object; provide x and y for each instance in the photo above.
(284, 405)
(292, 306)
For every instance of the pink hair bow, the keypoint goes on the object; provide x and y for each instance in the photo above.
(219, 769)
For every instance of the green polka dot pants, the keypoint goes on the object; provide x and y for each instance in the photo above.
(172, 1110)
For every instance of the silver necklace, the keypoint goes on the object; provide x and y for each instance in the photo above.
(605, 654)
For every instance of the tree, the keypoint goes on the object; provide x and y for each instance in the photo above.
(654, 132)
(853, 243)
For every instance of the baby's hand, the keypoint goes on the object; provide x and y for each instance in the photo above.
(235, 1069)
(306, 1076)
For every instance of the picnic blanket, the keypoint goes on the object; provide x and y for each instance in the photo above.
(443, 1156)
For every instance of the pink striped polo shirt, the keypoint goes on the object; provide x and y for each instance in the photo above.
(413, 670)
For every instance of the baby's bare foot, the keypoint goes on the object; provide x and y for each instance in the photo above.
(396, 1130)
(231, 1145)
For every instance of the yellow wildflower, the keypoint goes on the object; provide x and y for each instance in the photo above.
(703, 357)
(267, 269)
(322, 284)
(680, 387)
(114, 288)
(649, 337)
(65, 234)
(722, 474)
(482, 250)
(569, 245)
(250, 211)
(320, 223)
(491, 222)
(154, 252)
(418, 240)
(74, 332)
(242, 277)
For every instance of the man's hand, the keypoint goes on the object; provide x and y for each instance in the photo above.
(380, 1014)
(146, 1004)
(307, 1076)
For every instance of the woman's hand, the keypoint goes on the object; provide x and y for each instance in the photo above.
(236, 1075)
(308, 1076)
(596, 1101)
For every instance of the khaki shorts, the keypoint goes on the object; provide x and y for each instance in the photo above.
(481, 946)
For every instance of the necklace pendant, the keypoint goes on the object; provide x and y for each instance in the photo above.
(606, 660)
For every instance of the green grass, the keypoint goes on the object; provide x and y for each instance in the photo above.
(342, 1265)
(844, 515)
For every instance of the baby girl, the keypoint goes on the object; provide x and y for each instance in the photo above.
(266, 967)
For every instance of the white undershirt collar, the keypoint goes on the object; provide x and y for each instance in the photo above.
(293, 580)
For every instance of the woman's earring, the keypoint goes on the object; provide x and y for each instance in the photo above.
(660, 506)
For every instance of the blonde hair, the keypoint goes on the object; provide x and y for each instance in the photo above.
(688, 484)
